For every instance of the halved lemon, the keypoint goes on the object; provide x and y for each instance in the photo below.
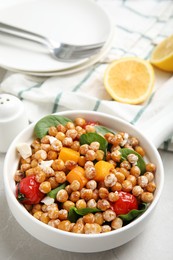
(162, 55)
(129, 80)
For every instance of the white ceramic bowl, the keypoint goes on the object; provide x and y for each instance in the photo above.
(72, 241)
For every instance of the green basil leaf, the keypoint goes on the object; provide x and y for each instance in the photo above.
(140, 163)
(133, 213)
(75, 213)
(94, 137)
(102, 130)
(52, 193)
(42, 126)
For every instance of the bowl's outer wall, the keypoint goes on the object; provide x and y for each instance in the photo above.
(66, 240)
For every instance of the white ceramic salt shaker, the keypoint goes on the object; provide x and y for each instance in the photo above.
(13, 119)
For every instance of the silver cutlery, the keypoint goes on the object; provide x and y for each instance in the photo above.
(59, 50)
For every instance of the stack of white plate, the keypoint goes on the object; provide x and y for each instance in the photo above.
(77, 22)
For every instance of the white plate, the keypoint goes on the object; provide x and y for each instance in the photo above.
(74, 69)
(71, 21)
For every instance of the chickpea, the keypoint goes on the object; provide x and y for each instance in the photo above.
(75, 145)
(52, 131)
(142, 181)
(24, 167)
(124, 171)
(53, 182)
(60, 136)
(151, 167)
(69, 165)
(71, 133)
(103, 193)
(78, 228)
(86, 194)
(147, 197)
(116, 139)
(92, 203)
(109, 215)
(94, 146)
(132, 158)
(81, 204)
(45, 147)
(127, 185)
(80, 121)
(116, 223)
(60, 176)
(74, 196)
(113, 196)
(149, 175)
(45, 218)
(41, 155)
(68, 204)
(62, 196)
(140, 150)
(61, 128)
(90, 172)
(120, 176)
(65, 225)
(89, 218)
(133, 141)
(54, 223)
(92, 184)
(68, 141)
(116, 187)
(92, 228)
(151, 186)
(106, 228)
(45, 140)
(132, 179)
(36, 208)
(137, 190)
(135, 171)
(70, 125)
(45, 187)
(116, 156)
(88, 164)
(90, 155)
(38, 214)
(125, 164)
(99, 155)
(62, 214)
(90, 129)
(52, 155)
(53, 212)
(110, 180)
(103, 204)
(83, 149)
(58, 165)
(99, 218)
(75, 185)
(40, 177)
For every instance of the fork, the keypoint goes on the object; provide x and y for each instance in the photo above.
(59, 50)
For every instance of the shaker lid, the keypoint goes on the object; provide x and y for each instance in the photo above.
(10, 106)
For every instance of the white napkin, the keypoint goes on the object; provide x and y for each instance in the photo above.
(139, 25)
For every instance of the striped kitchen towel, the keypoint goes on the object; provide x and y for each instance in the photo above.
(139, 26)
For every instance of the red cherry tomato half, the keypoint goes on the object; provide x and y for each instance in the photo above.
(125, 203)
(27, 191)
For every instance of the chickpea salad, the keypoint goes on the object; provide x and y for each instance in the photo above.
(81, 177)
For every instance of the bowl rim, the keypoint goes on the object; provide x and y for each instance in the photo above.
(10, 193)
